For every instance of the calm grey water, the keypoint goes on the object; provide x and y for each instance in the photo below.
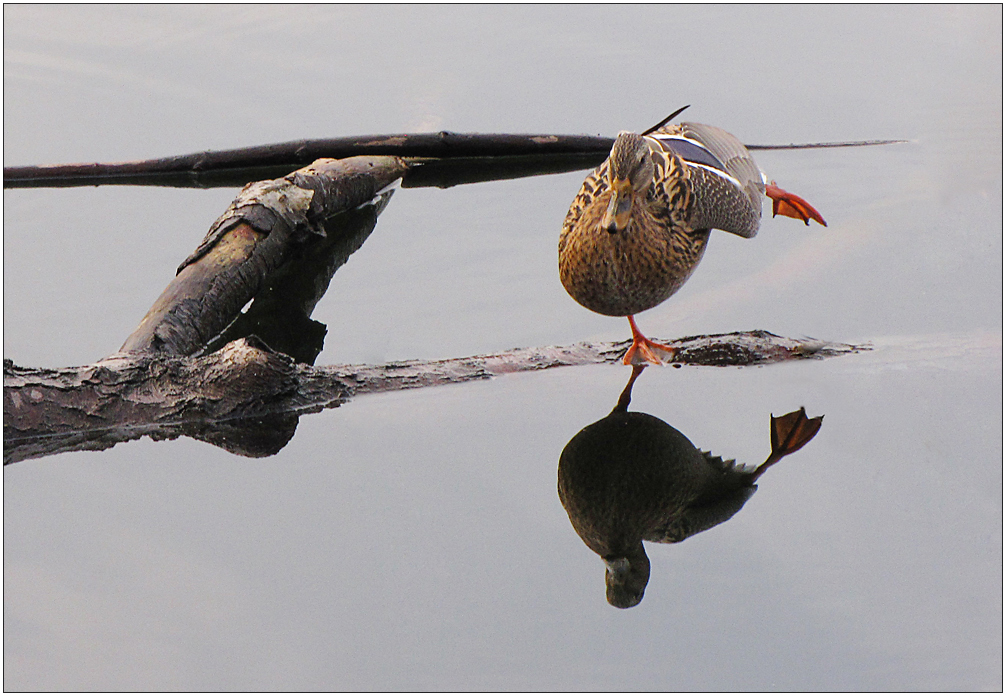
(415, 540)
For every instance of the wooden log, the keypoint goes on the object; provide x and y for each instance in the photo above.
(247, 398)
(239, 398)
(280, 313)
(424, 172)
(260, 232)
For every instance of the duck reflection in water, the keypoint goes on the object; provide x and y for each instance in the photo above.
(631, 477)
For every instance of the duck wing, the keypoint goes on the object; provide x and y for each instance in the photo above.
(738, 161)
(697, 519)
(727, 184)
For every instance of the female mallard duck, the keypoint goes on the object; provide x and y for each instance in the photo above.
(640, 222)
(632, 477)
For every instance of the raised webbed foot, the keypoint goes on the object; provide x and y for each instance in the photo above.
(792, 205)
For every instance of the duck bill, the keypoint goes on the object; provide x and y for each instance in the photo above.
(616, 218)
(618, 569)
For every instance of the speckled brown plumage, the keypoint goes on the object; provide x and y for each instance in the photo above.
(636, 269)
(633, 271)
(640, 223)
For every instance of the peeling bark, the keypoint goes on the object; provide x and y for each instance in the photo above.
(260, 232)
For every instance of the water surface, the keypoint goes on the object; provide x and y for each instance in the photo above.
(415, 540)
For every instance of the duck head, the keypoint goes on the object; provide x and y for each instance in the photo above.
(630, 173)
(626, 578)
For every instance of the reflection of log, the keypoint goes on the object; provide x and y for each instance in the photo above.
(246, 398)
(260, 232)
(446, 173)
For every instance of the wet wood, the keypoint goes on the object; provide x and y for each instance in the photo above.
(424, 172)
(294, 154)
(198, 366)
(259, 233)
(242, 398)
(438, 158)
(247, 398)
(834, 144)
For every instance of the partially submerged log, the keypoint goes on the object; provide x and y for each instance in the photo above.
(125, 396)
(280, 158)
(247, 398)
(261, 231)
(454, 158)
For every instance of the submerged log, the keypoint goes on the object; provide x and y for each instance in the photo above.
(247, 398)
(533, 153)
(294, 154)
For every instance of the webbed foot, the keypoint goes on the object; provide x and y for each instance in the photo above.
(645, 348)
(792, 205)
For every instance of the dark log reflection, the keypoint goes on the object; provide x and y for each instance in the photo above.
(631, 477)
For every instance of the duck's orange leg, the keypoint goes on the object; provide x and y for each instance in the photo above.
(645, 347)
(792, 205)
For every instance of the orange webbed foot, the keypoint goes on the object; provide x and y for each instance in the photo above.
(645, 347)
(792, 205)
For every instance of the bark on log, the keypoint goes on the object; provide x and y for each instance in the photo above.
(247, 399)
(260, 232)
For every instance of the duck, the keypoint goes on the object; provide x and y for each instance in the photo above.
(631, 477)
(640, 223)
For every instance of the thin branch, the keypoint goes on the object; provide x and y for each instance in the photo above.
(815, 146)
(452, 158)
(294, 154)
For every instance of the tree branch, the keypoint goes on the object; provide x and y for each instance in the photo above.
(289, 156)
(451, 158)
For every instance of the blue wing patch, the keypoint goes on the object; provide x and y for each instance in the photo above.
(690, 151)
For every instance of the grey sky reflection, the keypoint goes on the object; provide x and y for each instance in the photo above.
(414, 540)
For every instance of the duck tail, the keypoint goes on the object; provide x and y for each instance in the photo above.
(788, 434)
(668, 118)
